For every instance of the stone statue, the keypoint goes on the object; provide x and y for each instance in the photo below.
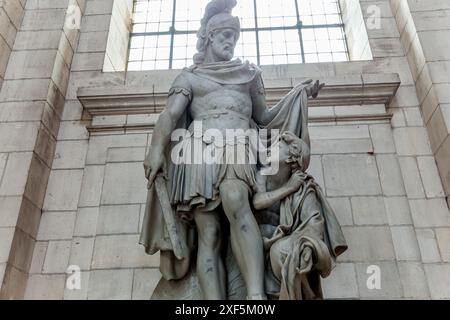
(224, 229)
(302, 236)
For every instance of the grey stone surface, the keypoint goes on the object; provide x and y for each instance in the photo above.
(110, 284)
(79, 294)
(56, 225)
(57, 257)
(397, 210)
(428, 245)
(405, 243)
(121, 251)
(343, 209)
(430, 177)
(392, 183)
(350, 175)
(37, 262)
(124, 184)
(411, 141)
(81, 252)
(91, 188)
(430, 213)
(443, 239)
(342, 283)
(368, 210)
(438, 279)
(368, 244)
(413, 280)
(63, 190)
(86, 222)
(144, 283)
(411, 177)
(70, 154)
(382, 138)
(45, 287)
(391, 286)
(120, 219)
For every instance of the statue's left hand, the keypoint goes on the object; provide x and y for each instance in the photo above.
(306, 260)
(313, 89)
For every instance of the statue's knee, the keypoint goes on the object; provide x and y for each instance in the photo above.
(210, 235)
(233, 195)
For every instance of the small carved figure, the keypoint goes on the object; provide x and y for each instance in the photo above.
(302, 237)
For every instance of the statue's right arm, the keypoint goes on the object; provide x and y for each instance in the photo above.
(177, 102)
(266, 199)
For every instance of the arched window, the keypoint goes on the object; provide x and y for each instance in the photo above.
(273, 32)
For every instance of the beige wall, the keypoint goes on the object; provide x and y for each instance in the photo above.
(425, 34)
(11, 13)
(31, 104)
(380, 175)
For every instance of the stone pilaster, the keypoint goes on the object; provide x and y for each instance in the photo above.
(425, 34)
(31, 104)
(11, 13)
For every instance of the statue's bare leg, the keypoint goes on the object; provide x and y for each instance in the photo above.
(246, 240)
(210, 268)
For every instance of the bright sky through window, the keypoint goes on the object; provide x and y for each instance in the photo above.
(273, 32)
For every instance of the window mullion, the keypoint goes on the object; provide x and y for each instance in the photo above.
(172, 33)
(299, 28)
(258, 55)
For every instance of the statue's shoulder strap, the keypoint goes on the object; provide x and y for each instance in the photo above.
(257, 86)
(182, 84)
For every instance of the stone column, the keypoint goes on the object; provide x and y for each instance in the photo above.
(31, 104)
(425, 34)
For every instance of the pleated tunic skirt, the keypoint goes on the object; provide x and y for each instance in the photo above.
(201, 165)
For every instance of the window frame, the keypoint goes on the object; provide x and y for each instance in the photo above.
(299, 26)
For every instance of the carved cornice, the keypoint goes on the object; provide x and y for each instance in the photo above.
(386, 117)
(363, 89)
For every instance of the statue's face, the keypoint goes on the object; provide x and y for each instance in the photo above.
(223, 43)
(283, 153)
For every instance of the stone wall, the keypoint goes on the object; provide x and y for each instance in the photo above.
(374, 161)
(31, 103)
(425, 34)
(11, 13)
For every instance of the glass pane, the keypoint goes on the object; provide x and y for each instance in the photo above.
(325, 57)
(136, 54)
(149, 54)
(179, 64)
(148, 65)
(295, 58)
(279, 13)
(280, 59)
(311, 58)
(161, 64)
(137, 42)
(340, 56)
(266, 60)
(134, 66)
(189, 13)
(140, 27)
(246, 47)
